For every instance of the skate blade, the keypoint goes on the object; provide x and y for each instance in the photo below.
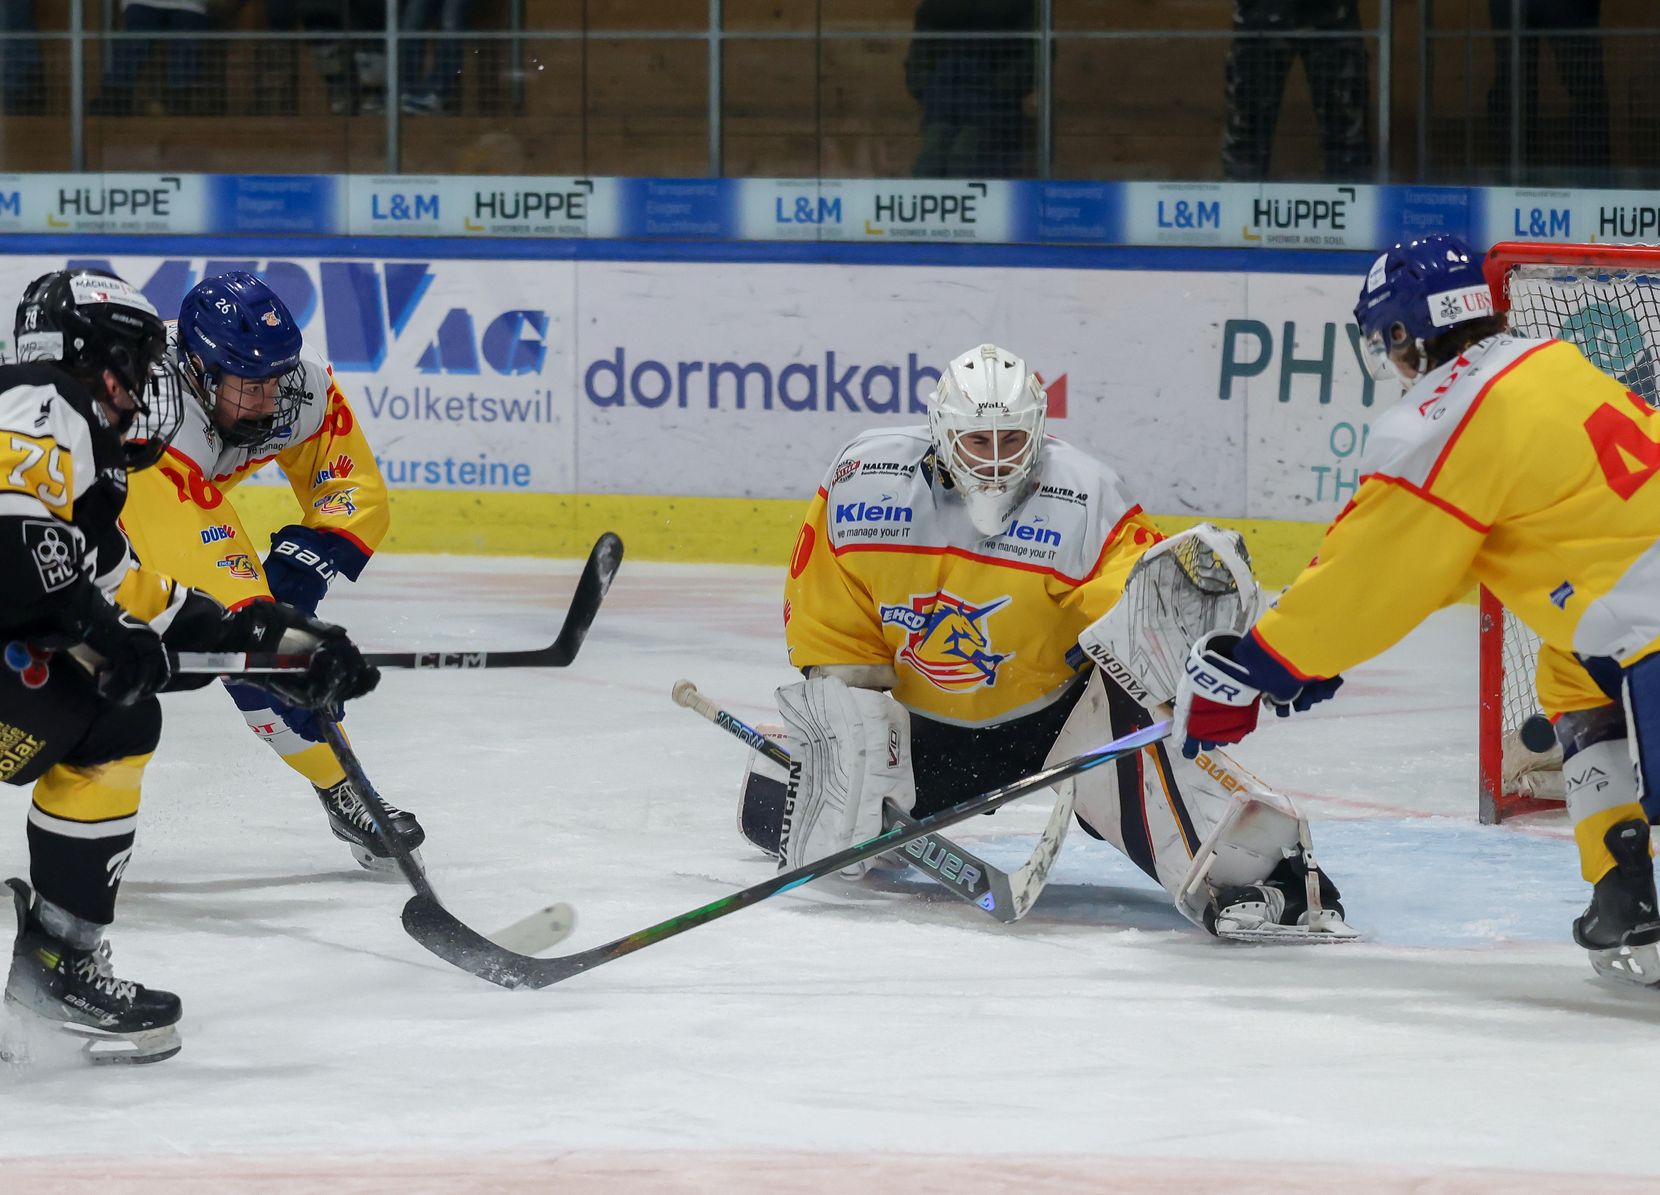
(1629, 964)
(103, 1048)
(541, 930)
(382, 864)
(1329, 934)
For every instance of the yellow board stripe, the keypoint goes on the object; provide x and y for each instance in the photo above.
(695, 530)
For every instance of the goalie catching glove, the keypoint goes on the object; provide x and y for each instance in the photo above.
(1182, 589)
(1226, 680)
(851, 751)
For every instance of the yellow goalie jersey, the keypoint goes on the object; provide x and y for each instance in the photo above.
(889, 570)
(1519, 465)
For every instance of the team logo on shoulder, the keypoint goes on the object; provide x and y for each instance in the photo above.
(240, 565)
(340, 503)
(51, 545)
(947, 641)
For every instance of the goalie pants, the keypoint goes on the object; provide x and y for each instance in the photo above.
(1156, 808)
(86, 761)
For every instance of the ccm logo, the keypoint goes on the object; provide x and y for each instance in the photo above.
(450, 659)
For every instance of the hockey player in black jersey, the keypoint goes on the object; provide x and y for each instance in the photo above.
(87, 638)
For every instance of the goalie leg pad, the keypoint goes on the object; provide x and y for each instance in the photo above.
(761, 796)
(1254, 878)
(852, 751)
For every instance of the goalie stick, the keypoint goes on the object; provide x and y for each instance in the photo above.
(591, 588)
(430, 924)
(1007, 896)
(537, 931)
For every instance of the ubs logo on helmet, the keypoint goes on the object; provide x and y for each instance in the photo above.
(947, 641)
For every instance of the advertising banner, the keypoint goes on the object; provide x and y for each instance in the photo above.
(1221, 393)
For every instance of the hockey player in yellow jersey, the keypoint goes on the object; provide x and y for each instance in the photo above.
(1515, 463)
(942, 577)
(263, 394)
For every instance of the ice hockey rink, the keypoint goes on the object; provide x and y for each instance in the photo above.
(834, 1038)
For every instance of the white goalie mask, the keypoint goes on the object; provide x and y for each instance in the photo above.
(986, 416)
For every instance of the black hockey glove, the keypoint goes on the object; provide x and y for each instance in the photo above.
(132, 663)
(337, 673)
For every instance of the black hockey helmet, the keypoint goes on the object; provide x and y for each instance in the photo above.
(88, 321)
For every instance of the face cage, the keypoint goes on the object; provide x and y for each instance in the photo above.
(144, 442)
(973, 472)
(246, 431)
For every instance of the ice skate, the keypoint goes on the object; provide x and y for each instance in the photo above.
(1620, 928)
(120, 1021)
(350, 821)
(1277, 909)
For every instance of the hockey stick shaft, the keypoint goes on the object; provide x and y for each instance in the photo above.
(539, 930)
(961, 872)
(444, 936)
(591, 588)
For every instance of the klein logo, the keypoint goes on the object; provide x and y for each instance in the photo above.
(212, 535)
(1031, 532)
(872, 512)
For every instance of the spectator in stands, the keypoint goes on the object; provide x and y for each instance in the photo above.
(1568, 26)
(128, 57)
(353, 69)
(22, 86)
(435, 87)
(1269, 36)
(973, 90)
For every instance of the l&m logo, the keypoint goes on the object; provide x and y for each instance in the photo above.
(946, 639)
(367, 307)
(402, 207)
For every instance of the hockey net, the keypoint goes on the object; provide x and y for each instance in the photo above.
(1606, 300)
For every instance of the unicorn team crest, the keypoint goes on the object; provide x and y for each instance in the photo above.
(947, 641)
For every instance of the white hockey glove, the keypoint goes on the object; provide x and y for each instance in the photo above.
(1184, 588)
(852, 749)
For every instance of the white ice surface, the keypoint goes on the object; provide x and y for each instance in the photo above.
(832, 1038)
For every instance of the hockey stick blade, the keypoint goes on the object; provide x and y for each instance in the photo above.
(591, 588)
(1005, 896)
(541, 930)
(430, 924)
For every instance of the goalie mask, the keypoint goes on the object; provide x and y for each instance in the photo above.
(986, 417)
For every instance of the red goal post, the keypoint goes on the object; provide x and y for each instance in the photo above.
(1606, 299)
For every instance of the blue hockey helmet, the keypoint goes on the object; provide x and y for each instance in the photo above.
(233, 326)
(1426, 287)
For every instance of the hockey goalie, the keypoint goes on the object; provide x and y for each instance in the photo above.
(942, 579)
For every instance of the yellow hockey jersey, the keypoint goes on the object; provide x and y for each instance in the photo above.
(1519, 465)
(888, 569)
(181, 519)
